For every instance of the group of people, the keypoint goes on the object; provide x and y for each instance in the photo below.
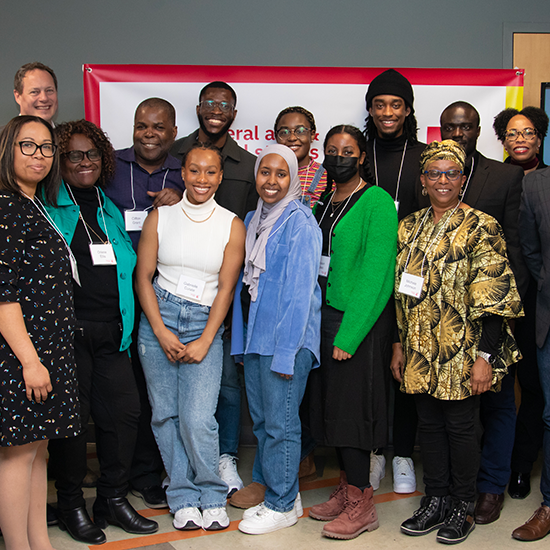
(135, 282)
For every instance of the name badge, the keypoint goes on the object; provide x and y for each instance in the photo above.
(74, 269)
(323, 266)
(189, 287)
(102, 254)
(396, 205)
(411, 285)
(133, 219)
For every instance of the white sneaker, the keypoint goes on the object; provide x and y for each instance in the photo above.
(187, 519)
(229, 475)
(377, 470)
(267, 521)
(404, 478)
(214, 519)
(297, 506)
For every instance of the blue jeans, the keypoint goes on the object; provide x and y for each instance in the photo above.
(228, 413)
(183, 397)
(498, 417)
(274, 404)
(543, 357)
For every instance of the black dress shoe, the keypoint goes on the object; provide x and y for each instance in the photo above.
(79, 525)
(153, 496)
(51, 515)
(118, 511)
(520, 485)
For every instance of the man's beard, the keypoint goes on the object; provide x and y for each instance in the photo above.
(214, 136)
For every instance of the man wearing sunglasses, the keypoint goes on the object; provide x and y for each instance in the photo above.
(494, 188)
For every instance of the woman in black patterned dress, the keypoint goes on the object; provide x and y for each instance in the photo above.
(38, 391)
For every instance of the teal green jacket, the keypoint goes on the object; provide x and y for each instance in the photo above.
(362, 266)
(65, 216)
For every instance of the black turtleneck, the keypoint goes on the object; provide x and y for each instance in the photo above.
(389, 153)
(97, 298)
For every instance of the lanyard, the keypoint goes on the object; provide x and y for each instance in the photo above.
(434, 241)
(132, 186)
(82, 218)
(400, 168)
(339, 215)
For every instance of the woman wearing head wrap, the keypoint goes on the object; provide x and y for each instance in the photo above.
(278, 302)
(454, 291)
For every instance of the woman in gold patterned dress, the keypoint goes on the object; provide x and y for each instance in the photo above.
(454, 293)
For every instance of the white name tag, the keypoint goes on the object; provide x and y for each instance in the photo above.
(189, 287)
(396, 205)
(133, 219)
(411, 285)
(323, 266)
(102, 254)
(74, 269)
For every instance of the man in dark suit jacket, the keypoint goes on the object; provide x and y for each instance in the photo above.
(494, 188)
(534, 225)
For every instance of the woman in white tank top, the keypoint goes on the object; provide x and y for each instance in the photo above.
(198, 249)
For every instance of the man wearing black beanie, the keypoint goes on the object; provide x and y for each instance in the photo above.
(394, 155)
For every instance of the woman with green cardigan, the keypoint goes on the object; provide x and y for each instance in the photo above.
(348, 394)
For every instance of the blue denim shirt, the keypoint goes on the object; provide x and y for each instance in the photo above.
(286, 315)
(65, 216)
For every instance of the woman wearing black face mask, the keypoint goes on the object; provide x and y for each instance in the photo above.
(348, 394)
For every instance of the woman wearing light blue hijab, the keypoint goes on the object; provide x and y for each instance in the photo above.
(278, 304)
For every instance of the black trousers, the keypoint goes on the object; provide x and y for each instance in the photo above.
(405, 421)
(449, 446)
(529, 424)
(107, 391)
(147, 465)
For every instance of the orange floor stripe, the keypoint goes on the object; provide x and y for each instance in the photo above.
(171, 536)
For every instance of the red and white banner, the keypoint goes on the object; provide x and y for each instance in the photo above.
(335, 95)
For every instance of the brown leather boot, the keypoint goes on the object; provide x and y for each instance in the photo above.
(359, 515)
(333, 507)
(308, 470)
(248, 496)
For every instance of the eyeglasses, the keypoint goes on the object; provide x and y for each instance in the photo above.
(78, 156)
(299, 132)
(29, 148)
(211, 105)
(434, 175)
(528, 134)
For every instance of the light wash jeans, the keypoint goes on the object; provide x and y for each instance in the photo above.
(184, 397)
(274, 404)
(543, 358)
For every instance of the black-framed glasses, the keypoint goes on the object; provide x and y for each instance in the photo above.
(434, 175)
(299, 132)
(78, 156)
(29, 148)
(528, 134)
(211, 105)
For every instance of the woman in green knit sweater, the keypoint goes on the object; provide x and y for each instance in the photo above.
(348, 394)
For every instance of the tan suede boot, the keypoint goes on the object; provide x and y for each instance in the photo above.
(359, 515)
(248, 496)
(333, 507)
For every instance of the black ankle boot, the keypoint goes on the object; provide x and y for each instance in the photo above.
(118, 511)
(79, 525)
(459, 524)
(430, 516)
(520, 485)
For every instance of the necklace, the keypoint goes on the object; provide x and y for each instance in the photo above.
(336, 205)
(92, 229)
(196, 221)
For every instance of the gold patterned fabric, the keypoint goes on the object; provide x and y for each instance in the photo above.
(443, 150)
(466, 277)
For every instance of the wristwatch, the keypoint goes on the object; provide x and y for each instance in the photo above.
(487, 356)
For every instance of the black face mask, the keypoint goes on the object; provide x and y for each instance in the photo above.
(340, 169)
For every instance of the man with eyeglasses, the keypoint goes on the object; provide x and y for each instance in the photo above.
(146, 177)
(494, 188)
(216, 112)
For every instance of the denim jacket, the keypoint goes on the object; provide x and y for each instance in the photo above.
(65, 217)
(286, 315)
